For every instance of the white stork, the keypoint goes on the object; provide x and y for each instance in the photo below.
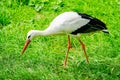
(69, 23)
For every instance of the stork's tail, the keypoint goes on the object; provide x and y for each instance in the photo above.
(105, 31)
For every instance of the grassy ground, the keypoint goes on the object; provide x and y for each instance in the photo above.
(45, 55)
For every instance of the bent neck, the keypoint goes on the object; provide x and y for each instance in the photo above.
(42, 33)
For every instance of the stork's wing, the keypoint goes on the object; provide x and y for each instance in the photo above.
(93, 25)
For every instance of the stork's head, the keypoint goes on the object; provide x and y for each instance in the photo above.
(30, 35)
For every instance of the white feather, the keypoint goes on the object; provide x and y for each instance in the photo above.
(66, 23)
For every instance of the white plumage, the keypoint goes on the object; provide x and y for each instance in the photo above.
(69, 23)
(66, 23)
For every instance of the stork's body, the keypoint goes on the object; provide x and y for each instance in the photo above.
(69, 23)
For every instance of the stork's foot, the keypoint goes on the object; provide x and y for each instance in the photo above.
(64, 64)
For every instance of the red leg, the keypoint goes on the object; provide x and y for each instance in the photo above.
(65, 62)
(83, 47)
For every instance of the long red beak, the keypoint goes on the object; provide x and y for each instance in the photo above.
(25, 46)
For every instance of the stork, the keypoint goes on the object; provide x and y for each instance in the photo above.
(69, 23)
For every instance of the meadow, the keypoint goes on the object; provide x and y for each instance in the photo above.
(44, 57)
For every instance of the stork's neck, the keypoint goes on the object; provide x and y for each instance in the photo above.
(43, 33)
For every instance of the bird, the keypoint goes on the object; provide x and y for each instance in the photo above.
(69, 23)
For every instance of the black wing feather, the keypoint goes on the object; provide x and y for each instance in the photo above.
(94, 25)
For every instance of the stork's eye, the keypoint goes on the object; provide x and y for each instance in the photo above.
(29, 36)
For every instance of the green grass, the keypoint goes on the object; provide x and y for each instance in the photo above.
(44, 57)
